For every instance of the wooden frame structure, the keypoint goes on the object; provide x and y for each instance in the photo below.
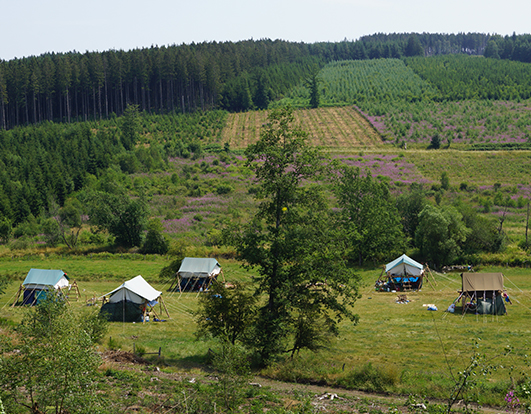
(43, 280)
(479, 289)
(403, 274)
(199, 272)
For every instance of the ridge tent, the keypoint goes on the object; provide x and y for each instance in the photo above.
(39, 281)
(482, 293)
(131, 301)
(401, 274)
(196, 273)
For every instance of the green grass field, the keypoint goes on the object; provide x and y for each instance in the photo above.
(416, 348)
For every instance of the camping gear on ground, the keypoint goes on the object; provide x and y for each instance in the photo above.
(39, 282)
(482, 293)
(196, 274)
(402, 274)
(131, 302)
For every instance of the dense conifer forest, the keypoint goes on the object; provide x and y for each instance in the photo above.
(77, 86)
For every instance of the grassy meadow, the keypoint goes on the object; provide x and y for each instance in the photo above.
(408, 349)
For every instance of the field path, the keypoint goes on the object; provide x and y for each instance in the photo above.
(352, 400)
(337, 128)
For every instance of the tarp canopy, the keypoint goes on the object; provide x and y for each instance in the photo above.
(136, 290)
(404, 265)
(39, 279)
(198, 267)
(482, 282)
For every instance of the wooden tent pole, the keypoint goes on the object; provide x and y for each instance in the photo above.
(164, 304)
(222, 275)
(20, 289)
(429, 279)
(380, 277)
(145, 311)
(74, 285)
(433, 277)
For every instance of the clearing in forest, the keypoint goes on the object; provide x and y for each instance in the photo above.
(338, 127)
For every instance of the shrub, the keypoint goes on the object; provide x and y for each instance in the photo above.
(224, 189)
(435, 142)
(155, 242)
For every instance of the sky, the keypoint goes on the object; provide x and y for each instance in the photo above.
(34, 27)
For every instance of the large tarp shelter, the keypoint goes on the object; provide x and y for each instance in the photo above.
(40, 281)
(401, 274)
(482, 293)
(196, 273)
(131, 301)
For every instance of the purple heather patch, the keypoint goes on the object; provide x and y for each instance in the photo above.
(391, 166)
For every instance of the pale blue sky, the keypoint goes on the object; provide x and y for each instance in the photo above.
(33, 27)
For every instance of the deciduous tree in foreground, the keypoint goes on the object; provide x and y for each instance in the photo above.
(294, 244)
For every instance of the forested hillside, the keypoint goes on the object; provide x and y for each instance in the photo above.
(184, 78)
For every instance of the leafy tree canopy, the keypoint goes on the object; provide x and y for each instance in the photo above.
(292, 241)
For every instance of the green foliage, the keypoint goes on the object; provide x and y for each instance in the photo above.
(52, 232)
(169, 272)
(130, 127)
(440, 234)
(291, 240)
(226, 314)
(155, 242)
(366, 82)
(56, 362)
(313, 85)
(413, 48)
(4, 282)
(445, 181)
(409, 205)
(121, 216)
(370, 216)
(435, 142)
(5, 230)
(461, 77)
(371, 378)
(232, 364)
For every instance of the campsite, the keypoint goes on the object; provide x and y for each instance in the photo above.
(408, 344)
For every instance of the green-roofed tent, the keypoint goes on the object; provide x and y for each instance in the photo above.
(196, 273)
(401, 274)
(40, 281)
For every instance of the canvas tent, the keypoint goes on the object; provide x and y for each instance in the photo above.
(39, 281)
(196, 273)
(482, 293)
(401, 274)
(131, 301)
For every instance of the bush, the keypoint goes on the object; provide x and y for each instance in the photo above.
(435, 142)
(224, 189)
(155, 242)
(22, 243)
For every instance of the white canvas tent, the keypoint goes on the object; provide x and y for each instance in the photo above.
(196, 273)
(131, 301)
(39, 281)
(401, 274)
(404, 265)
